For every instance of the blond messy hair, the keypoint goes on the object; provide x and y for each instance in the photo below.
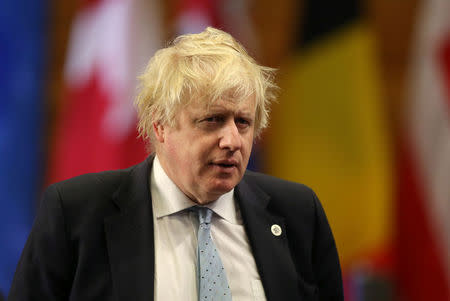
(207, 66)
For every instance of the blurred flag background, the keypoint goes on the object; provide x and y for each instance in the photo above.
(363, 116)
(338, 139)
(108, 45)
(423, 198)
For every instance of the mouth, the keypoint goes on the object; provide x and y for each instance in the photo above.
(225, 164)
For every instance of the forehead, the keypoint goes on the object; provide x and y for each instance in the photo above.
(245, 106)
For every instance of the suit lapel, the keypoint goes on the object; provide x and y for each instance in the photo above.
(271, 252)
(129, 237)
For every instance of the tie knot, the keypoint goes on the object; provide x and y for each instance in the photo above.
(204, 214)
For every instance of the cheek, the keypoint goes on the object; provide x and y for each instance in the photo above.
(188, 156)
(178, 155)
(247, 149)
(201, 148)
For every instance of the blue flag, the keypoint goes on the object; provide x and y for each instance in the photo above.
(22, 81)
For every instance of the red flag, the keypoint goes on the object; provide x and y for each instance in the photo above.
(110, 43)
(423, 209)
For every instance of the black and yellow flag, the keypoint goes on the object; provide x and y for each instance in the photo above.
(329, 129)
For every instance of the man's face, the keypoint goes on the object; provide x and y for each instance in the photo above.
(207, 152)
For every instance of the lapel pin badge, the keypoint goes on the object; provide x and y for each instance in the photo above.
(276, 230)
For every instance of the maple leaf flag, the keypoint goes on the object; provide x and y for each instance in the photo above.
(110, 44)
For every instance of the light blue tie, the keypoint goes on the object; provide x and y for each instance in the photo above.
(212, 280)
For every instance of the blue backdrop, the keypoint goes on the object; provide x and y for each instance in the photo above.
(22, 81)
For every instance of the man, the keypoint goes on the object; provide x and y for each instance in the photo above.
(144, 233)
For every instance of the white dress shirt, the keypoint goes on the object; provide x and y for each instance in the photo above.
(175, 231)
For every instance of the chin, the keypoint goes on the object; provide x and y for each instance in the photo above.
(223, 188)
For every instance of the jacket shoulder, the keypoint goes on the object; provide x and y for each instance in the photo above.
(86, 197)
(90, 184)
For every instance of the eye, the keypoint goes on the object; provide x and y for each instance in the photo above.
(243, 122)
(213, 119)
(211, 122)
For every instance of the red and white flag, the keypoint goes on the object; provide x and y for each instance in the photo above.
(110, 44)
(424, 194)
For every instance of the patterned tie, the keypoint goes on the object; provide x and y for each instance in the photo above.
(212, 281)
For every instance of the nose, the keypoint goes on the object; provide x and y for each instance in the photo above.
(230, 137)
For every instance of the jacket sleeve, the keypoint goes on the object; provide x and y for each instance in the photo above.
(45, 269)
(325, 258)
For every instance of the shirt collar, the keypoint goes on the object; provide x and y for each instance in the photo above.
(169, 199)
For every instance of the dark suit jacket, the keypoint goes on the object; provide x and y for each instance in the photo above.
(93, 240)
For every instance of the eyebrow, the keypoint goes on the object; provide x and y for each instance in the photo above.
(215, 107)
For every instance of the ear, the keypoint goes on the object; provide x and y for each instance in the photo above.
(158, 129)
